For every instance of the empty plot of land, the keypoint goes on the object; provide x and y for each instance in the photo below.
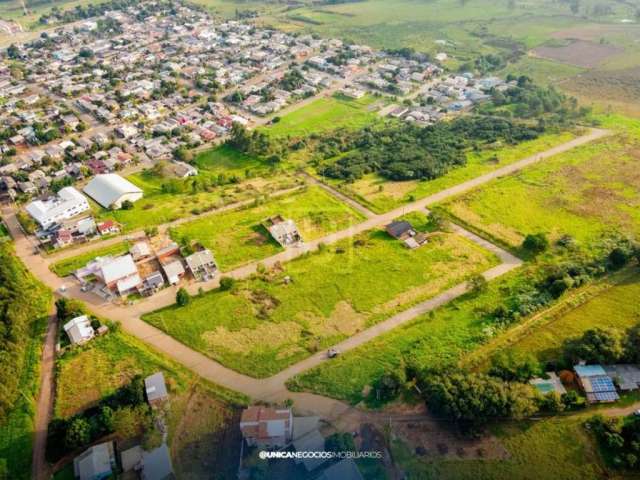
(238, 237)
(579, 53)
(269, 322)
(586, 193)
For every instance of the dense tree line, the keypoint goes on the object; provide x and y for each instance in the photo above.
(472, 399)
(409, 152)
(23, 302)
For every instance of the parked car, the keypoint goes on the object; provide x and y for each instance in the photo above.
(333, 353)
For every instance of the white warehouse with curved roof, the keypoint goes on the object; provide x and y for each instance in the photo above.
(110, 190)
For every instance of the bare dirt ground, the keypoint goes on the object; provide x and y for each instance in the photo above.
(619, 90)
(578, 52)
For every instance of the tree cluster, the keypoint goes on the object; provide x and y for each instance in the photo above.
(620, 438)
(409, 152)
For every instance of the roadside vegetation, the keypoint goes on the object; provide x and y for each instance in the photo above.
(25, 304)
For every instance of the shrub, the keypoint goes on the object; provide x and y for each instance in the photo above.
(126, 205)
(182, 297)
(535, 243)
(227, 283)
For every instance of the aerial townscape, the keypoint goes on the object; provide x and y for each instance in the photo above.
(319, 239)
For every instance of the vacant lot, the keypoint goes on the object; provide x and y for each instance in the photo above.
(586, 193)
(267, 323)
(238, 237)
(326, 114)
(225, 176)
(553, 448)
(69, 265)
(578, 52)
(202, 419)
(434, 340)
(382, 195)
(109, 362)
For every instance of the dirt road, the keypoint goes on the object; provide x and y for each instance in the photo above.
(273, 388)
(44, 406)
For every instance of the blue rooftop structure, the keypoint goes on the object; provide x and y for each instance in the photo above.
(589, 370)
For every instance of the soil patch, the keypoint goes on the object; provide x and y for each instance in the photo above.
(578, 52)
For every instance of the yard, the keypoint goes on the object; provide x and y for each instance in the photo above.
(382, 195)
(66, 267)
(267, 323)
(327, 113)
(586, 193)
(237, 237)
(202, 416)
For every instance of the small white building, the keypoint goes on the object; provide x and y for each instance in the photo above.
(79, 330)
(68, 203)
(96, 462)
(111, 190)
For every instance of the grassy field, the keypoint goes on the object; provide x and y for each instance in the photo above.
(614, 306)
(434, 340)
(237, 237)
(69, 265)
(327, 114)
(382, 195)
(587, 192)
(160, 205)
(265, 324)
(557, 448)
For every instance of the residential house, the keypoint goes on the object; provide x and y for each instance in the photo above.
(140, 251)
(156, 389)
(597, 385)
(119, 274)
(79, 330)
(174, 271)
(266, 427)
(108, 227)
(403, 231)
(202, 265)
(95, 463)
(283, 231)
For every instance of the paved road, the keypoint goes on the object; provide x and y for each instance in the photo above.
(273, 388)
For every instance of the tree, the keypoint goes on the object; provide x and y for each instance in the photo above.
(182, 297)
(632, 345)
(340, 442)
(535, 243)
(106, 418)
(78, 433)
(126, 205)
(515, 366)
(596, 345)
